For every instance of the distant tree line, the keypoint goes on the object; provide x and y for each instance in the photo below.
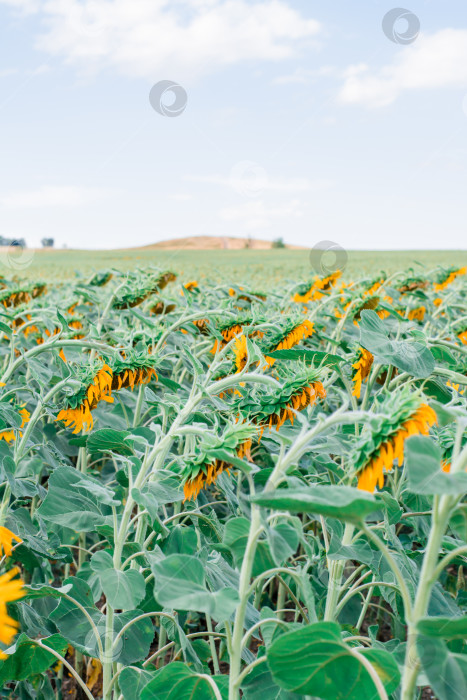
(12, 241)
(46, 242)
(278, 243)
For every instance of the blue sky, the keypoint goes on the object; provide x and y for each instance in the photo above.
(303, 120)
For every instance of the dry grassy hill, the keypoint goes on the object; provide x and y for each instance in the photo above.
(213, 243)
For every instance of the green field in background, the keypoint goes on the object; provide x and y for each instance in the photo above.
(258, 268)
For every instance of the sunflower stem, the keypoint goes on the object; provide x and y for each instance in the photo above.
(335, 577)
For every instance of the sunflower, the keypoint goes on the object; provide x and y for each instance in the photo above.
(456, 387)
(246, 295)
(292, 336)
(140, 288)
(373, 287)
(212, 459)
(189, 287)
(165, 278)
(370, 303)
(100, 279)
(162, 308)
(133, 377)
(300, 399)
(9, 435)
(314, 291)
(10, 590)
(362, 368)
(266, 408)
(410, 284)
(6, 541)
(20, 296)
(230, 329)
(447, 279)
(79, 417)
(412, 418)
(206, 476)
(240, 349)
(417, 314)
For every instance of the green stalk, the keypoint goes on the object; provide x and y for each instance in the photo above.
(335, 577)
(243, 590)
(107, 661)
(441, 514)
(442, 510)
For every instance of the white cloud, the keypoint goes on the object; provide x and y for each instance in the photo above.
(24, 6)
(181, 197)
(304, 76)
(256, 215)
(50, 196)
(168, 39)
(6, 72)
(251, 177)
(432, 61)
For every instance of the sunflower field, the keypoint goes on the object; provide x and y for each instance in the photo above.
(215, 492)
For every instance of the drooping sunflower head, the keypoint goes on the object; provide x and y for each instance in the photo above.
(132, 370)
(6, 541)
(225, 330)
(286, 335)
(417, 313)
(13, 418)
(411, 284)
(383, 437)
(361, 370)
(301, 386)
(462, 335)
(446, 440)
(371, 287)
(312, 291)
(100, 279)
(164, 278)
(369, 303)
(240, 350)
(139, 285)
(11, 589)
(446, 277)
(215, 454)
(94, 385)
(15, 297)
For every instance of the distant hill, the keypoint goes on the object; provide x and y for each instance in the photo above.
(213, 243)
